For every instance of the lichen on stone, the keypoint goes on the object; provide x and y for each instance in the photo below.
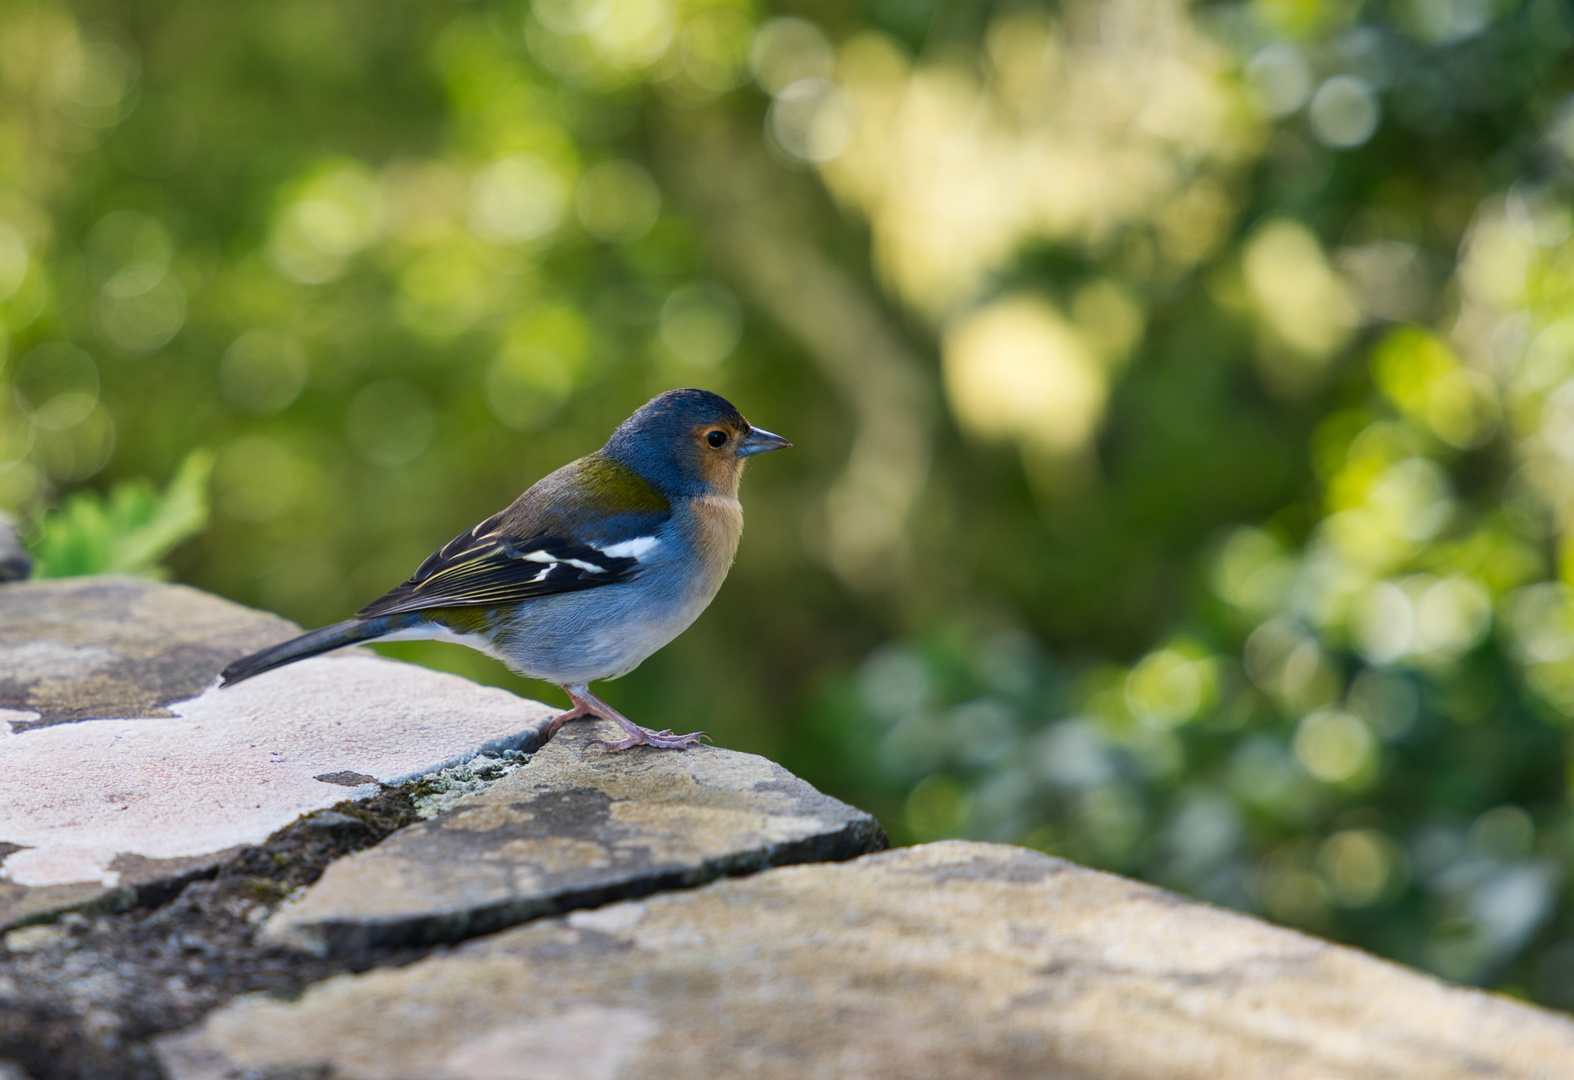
(438, 791)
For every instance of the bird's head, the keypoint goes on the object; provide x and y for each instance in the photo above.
(690, 442)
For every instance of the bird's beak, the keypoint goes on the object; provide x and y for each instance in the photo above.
(760, 441)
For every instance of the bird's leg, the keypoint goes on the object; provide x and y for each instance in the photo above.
(587, 704)
(578, 707)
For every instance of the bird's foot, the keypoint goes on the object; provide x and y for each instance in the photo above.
(587, 704)
(661, 740)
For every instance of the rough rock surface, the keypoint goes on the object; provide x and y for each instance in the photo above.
(81, 996)
(575, 828)
(111, 683)
(86, 648)
(122, 772)
(949, 960)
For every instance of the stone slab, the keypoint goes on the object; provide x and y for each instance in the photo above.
(122, 764)
(576, 827)
(86, 648)
(950, 960)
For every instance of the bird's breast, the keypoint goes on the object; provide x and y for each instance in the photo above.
(717, 527)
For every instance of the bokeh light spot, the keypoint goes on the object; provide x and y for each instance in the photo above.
(617, 201)
(1280, 79)
(526, 384)
(389, 423)
(1299, 295)
(1016, 369)
(787, 50)
(517, 199)
(257, 479)
(1344, 112)
(337, 212)
(701, 324)
(1359, 865)
(714, 49)
(1334, 745)
(137, 319)
(263, 371)
(1169, 687)
(811, 120)
(13, 260)
(72, 453)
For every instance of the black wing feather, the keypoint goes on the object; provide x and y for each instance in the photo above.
(482, 566)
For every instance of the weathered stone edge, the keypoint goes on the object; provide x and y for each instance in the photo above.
(15, 563)
(341, 938)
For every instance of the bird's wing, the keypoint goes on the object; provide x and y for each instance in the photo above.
(484, 567)
(543, 545)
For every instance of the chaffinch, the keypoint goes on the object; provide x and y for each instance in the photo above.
(590, 571)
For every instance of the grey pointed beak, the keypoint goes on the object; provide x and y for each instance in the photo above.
(760, 441)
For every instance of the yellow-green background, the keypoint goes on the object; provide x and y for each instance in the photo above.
(1183, 394)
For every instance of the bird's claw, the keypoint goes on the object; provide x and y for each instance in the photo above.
(661, 740)
(585, 704)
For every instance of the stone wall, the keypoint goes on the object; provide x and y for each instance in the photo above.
(354, 868)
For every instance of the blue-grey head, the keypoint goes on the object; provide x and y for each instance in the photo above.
(689, 442)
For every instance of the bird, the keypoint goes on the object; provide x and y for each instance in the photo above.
(594, 568)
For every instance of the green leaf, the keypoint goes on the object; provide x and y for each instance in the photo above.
(129, 531)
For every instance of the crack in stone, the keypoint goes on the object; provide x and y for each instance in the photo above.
(581, 815)
(162, 956)
(178, 937)
(132, 954)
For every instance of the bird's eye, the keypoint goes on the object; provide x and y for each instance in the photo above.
(716, 438)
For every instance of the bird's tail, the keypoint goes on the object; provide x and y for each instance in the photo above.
(311, 644)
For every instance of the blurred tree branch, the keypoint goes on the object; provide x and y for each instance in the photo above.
(746, 206)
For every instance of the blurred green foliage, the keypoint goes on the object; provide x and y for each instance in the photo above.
(1183, 393)
(129, 531)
